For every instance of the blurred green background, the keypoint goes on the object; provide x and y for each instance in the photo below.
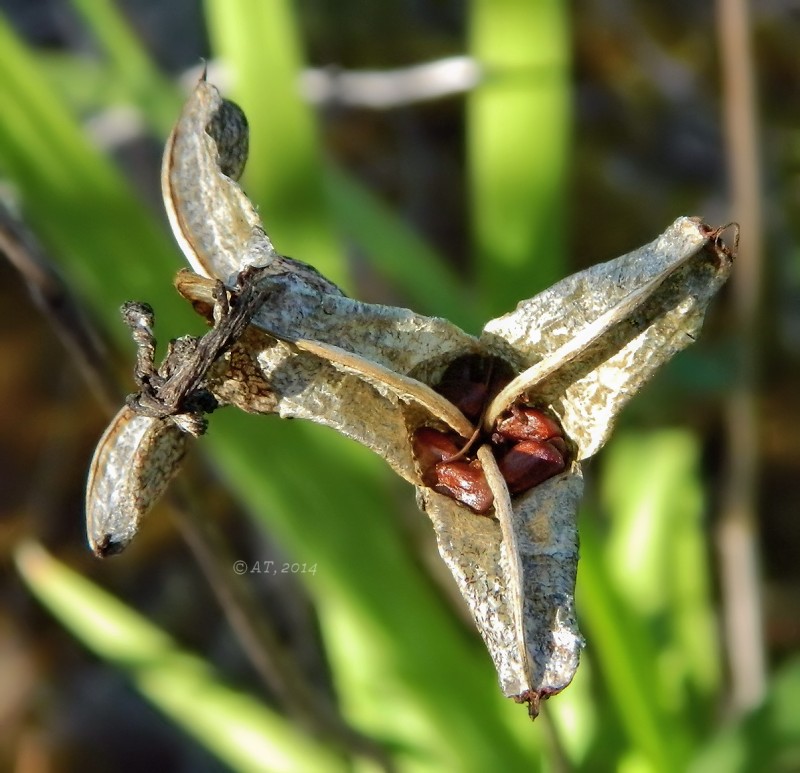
(565, 136)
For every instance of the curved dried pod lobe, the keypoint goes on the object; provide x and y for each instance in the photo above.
(133, 463)
(591, 341)
(210, 215)
(517, 573)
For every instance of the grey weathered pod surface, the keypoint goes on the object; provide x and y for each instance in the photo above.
(581, 350)
(134, 461)
(210, 216)
(590, 342)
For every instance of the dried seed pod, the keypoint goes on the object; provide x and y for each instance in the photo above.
(372, 372)
(132, 465)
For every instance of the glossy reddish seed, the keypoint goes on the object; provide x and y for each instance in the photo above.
(431, 446)
(530, 463)
(527, 424)
(464, 482)
(529, 444)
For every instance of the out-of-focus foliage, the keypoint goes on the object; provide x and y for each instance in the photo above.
(519, 181)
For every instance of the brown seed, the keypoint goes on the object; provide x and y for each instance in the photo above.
(464, 482)
(431, 447)
(530, 463)
(528, 424)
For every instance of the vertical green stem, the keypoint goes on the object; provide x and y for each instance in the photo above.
(518, 139)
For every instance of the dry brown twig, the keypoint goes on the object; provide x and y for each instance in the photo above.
(737, 532)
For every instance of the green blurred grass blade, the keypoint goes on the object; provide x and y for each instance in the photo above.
(658, 556)
(234, 726)
(77, 201)
(622, 647)
(767, 739)
(577, 721)
(518, 134)
(87, 86)
(148, 90)
(647, 603)
(284, 174)
(399, 254)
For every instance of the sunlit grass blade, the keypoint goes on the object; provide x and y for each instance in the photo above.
(232, 725)
(518, 142)
(576, 720)
(625, 653)
(657, 555)
(76, 200)
(646, 602)
(284, 174)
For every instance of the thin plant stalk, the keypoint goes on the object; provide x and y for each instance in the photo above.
(737, 536)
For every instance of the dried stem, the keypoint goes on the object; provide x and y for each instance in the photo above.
(176, 389)
(737, 534)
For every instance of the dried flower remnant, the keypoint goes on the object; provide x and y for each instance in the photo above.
(143, 447)
(497, 424)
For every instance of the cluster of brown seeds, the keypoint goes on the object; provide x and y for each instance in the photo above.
(528, 444)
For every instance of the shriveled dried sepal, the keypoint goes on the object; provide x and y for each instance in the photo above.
(141, 449)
